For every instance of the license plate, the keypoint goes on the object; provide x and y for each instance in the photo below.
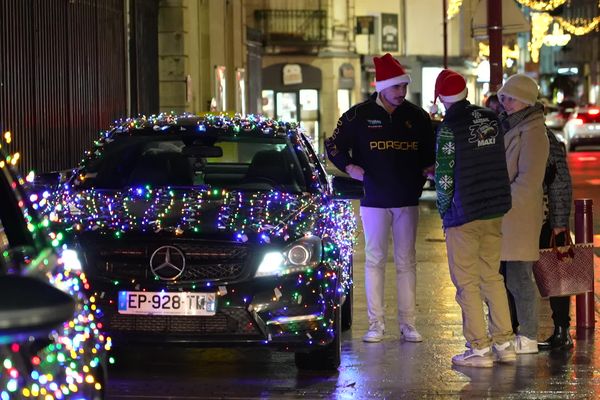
(163, 303)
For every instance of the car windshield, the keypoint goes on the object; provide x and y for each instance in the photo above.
(237, 163)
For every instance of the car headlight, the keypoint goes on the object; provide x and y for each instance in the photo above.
(303, 254)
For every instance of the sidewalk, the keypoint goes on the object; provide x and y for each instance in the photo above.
(394, 369)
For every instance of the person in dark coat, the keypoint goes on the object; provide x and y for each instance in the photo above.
(473, 194)
(558, 193)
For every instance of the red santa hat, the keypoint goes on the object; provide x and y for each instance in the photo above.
(389, 72)
(450, 87)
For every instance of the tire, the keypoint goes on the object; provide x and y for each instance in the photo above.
(348, 309)
(327, 358)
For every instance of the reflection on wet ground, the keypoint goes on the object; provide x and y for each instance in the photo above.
(392, 369)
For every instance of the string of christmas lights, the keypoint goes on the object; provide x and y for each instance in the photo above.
(67, 366)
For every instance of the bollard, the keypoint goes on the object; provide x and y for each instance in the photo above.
(584, 233)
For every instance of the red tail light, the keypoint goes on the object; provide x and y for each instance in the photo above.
(594, 111)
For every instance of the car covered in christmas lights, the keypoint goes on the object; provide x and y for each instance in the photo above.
(215, 230)
(50, 344)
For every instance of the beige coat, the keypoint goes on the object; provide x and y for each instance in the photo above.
(527, 148)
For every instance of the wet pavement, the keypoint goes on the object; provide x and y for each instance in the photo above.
(392, 369)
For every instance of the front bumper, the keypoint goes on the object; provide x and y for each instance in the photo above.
(287, 312)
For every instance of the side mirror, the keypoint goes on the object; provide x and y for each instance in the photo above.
(345, 187)
(31, 307)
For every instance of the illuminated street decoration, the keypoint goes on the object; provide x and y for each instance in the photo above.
(453, 8)
(508, 53)
(540, 22)
(580, 26)
(557, 37)
(539, 5)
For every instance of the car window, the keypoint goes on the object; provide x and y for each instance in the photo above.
(243, 163)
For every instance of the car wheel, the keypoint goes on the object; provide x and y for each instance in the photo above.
(327, 358)
(348, 310)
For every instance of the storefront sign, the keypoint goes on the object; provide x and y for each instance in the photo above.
(292, 74)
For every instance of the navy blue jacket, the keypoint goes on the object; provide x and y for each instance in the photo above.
(393, 149)
(481, 184)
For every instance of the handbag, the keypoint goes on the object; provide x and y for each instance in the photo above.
(565, 270)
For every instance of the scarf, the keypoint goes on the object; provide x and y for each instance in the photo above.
(510, 121)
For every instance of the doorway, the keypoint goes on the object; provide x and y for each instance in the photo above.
(301, 106)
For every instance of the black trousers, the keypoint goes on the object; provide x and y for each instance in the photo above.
(559, 305)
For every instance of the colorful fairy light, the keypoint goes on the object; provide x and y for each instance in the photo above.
(64, 366)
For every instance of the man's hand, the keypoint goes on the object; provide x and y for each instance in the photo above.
(429, 172)
(355, 171)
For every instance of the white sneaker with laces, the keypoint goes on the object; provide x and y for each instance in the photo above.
(410, 333)
(481, 358)
(504, 352)
(374, 334)
(524, 345)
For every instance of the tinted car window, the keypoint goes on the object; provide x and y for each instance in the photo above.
(244, 164)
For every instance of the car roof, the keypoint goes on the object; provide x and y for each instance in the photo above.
(214, 125)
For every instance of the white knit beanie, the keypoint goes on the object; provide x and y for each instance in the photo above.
(520, 87)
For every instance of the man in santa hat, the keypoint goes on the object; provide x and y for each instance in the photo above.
(473, 193)
(387, 142)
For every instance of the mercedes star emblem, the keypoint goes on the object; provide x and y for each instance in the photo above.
(167, 263)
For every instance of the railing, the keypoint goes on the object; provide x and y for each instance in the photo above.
(292, 27)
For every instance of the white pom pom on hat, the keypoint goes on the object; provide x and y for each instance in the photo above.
(389, 72)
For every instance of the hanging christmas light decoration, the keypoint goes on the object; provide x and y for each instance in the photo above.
(538, 5)
(540, 22)
(557, 37)
(580, 26)
(453, 8)
(511, 53)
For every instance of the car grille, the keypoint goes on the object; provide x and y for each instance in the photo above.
(205, 261)
(229, 321)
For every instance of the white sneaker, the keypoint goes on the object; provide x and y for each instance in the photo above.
(481, 358)
(374, 334)
(410, 333)
(524, 345)
(504, 352)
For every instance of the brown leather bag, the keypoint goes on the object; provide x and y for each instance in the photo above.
(565, 270)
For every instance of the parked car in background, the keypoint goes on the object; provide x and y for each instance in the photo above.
(583, 128)
(215, 230)
(50, 343)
